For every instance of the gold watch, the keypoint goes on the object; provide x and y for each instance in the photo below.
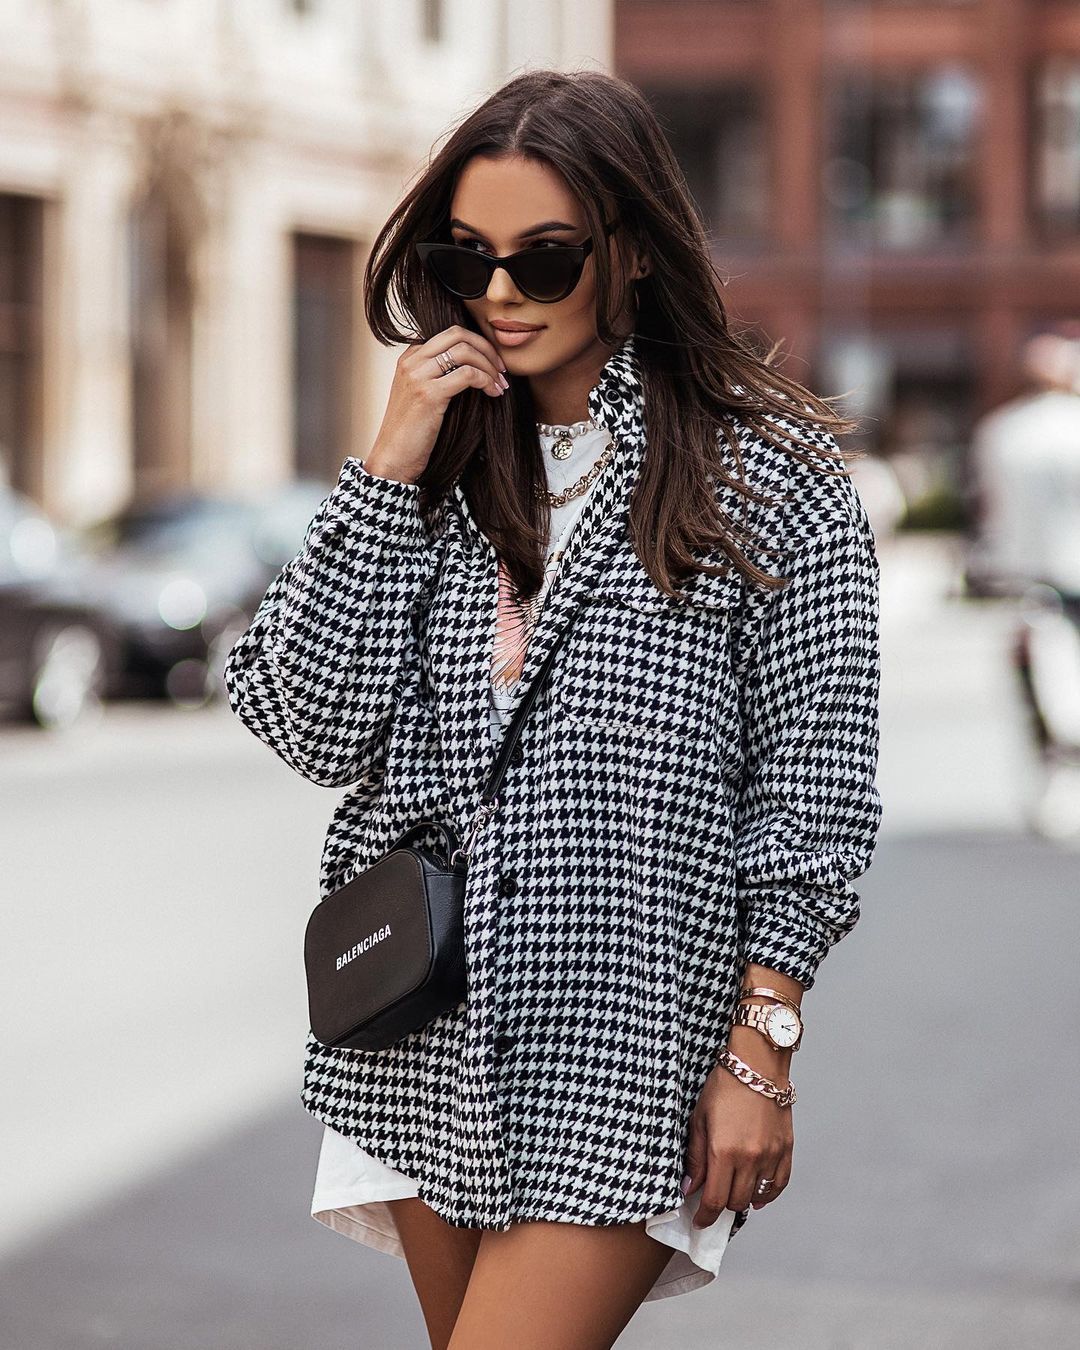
(779, 1023)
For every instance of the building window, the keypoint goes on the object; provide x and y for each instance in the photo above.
(901, 173)
(21, 322)
(161, 302)
(913, 389)
(1056, 150)
(718, 136)
(322, 354)
(431, 20)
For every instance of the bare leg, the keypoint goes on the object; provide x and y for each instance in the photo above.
(557, 1286)
(440, 1260)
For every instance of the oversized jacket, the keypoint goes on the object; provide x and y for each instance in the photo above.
(695, 789)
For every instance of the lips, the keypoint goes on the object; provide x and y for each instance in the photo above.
(514, 337)
(517, 327)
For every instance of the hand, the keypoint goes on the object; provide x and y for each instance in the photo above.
(420, 394)
(737, 1136)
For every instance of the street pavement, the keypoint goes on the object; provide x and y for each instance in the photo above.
(157, 1165)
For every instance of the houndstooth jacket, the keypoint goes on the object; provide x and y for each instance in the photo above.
(694, 789)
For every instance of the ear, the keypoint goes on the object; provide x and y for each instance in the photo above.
(641, 264)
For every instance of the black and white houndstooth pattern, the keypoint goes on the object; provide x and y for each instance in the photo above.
(695, 790)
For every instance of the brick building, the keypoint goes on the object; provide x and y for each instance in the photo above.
(892, 187)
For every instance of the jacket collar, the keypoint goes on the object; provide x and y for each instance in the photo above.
(616, 401)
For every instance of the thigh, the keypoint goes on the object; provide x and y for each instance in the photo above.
(557, 1286)
(440, 1260)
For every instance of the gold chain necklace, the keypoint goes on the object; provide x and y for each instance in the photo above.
(582, 484)
(516, 629)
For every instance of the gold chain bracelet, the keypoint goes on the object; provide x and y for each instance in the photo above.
(745, 1074)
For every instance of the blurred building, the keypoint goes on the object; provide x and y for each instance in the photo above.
(893, 188)
(187, 192)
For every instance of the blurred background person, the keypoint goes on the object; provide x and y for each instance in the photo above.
(1026, 457)
(1026, 463)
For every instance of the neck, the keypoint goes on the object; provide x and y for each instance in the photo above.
(561, 396)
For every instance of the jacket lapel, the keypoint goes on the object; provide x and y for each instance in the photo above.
(615, 402)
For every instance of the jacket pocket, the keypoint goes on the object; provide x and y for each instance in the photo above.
(642, 663)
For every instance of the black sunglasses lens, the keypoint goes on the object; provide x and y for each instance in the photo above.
(458, 272)
(547, 273)
(543, 274)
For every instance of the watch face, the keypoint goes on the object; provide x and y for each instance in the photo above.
(783, 1026)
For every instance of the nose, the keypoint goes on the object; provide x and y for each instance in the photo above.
(501, 286)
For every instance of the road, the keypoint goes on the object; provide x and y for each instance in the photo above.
(158, 1166)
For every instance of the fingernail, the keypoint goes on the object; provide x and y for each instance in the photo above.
(687, 1182)
(504, 382)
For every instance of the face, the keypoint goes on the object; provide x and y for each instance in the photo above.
(497, 204)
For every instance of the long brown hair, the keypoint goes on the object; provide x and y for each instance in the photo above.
(699, 376)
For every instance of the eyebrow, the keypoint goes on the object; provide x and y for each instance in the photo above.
(547, 226)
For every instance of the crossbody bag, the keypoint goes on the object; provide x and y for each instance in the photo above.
(385, 953)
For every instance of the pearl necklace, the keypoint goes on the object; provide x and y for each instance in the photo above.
(565, 435)
(564, 444)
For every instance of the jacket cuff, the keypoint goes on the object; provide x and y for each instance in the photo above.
(361, 498)
(778, 932)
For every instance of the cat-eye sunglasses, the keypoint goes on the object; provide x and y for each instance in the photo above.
(543, 274)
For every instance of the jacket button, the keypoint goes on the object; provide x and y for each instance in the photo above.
(508, 884)
(516, 755)
(503, 1043)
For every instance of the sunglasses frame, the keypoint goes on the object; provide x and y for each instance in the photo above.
(510, 261)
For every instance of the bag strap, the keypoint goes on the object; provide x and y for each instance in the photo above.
(489, 800)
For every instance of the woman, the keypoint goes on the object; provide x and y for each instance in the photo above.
(694, 788)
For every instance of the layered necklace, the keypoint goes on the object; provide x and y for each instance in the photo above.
(562, 448)
(517, 618)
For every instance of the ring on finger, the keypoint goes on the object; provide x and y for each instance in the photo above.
(446, 362)
(764, 1184)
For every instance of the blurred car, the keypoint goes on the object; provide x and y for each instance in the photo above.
(58, 653)
(180, 579)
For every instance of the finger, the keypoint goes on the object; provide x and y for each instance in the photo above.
(744, 1182)
(482, 347)
(782, 1175)
(462, 354)
(462, 377)
(696, 1150)
(768, 1170)
(715, 1193)
(450, 337)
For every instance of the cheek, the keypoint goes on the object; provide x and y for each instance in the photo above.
(581, 302)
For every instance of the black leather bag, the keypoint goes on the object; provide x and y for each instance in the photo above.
(385, 953)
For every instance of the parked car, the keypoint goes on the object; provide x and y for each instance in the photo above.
(58, 653)
(181, 578)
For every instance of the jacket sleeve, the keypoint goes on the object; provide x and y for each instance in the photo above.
(320, 669)
(808, 810)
